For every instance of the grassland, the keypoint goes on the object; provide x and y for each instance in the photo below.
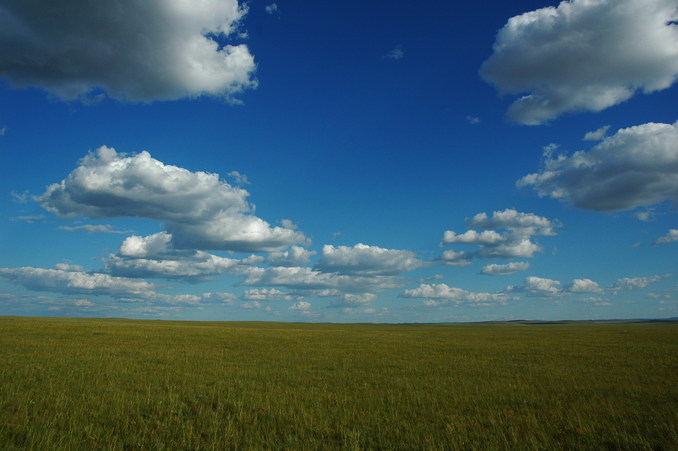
(122, 384)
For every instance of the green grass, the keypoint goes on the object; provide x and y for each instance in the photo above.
(122, 384)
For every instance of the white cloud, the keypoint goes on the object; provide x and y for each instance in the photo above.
(537, 286)
(353, 300)
(307, 279)
(199, 210)
(134, 51)
(452, 258)
(455, 295)
(583, 286)
(670, 237)
(645, 216)
(91, 228)
(75, 282)
(636, 167)
(301, 305)
(219, 298)
(598, 134)
(30, 219)
(366, 260)
(584, 55)
(154, 256)
(634, 283)
(472, 237)
(294, 256)
(501, 270)
(527, 223)
(395, 54)
(514, 242)
(269, 294)
(272, 8)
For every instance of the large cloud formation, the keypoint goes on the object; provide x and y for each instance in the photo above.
(134, 50)
(636, 167)
(584, 55)
(199, 210)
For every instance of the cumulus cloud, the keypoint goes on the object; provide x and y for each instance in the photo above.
(584, 56)
(308, 279)
(75, 282)
(452, 258)
(514, 240)
(636, 167)
(294, 256)
(443, 292)
(366, 260)
(134, 51)
(502, 270)
(349, 300)
(301, 305)
(272, 8)
(198, 209)
(597, 135)
(583, 286)
(527, 223)
(472, 237)
(154, 256)
(634, 283)
(269, 294)
(670, 237)
(537, 287)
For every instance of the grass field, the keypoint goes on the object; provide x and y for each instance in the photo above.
(123, 384)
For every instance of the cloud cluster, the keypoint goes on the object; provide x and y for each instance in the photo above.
(513, 241)
(635, 167)
(366, 260)
(134, 51)
(75, 282)
(443, 293)
(199, 210)
(269, 294)
(294, 256)
(312, 281)
(584, 55)
(634, 283)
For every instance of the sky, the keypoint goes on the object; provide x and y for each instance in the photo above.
(339, 161)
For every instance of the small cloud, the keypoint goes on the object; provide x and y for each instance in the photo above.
(645, 216)
(20, 198)
(598, 134)
(272, 8)
(29, 219)
(238, 178)
(395, 54)
(634, 283)
(670, 237)
(473, 120)
(3, 130)
(91, 228)
(502, 270)
(301, 305)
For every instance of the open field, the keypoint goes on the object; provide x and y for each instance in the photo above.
(123, 384)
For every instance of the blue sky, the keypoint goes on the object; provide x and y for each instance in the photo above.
(338, 161)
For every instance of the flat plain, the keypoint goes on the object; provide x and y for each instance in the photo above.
(131, 384)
